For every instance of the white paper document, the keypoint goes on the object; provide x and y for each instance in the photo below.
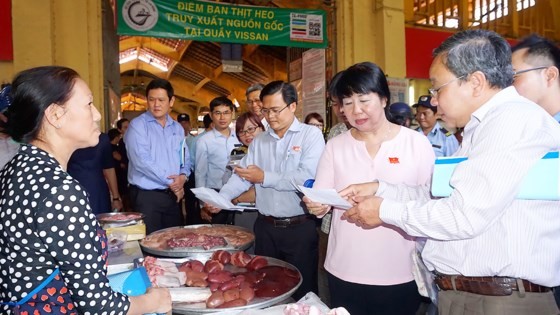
(212, 197)
(325, 196)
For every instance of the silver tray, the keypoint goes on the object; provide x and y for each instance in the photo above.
(108, 217)
(256, 303)
(190, 251)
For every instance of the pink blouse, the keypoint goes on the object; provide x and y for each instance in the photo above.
(379, 256)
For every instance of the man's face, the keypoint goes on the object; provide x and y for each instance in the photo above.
(426, 117)
(124, 127)
(453, 98)
(278, 114)
(221, 117)
(186, 126)
(159, 103)
(530, 84)
(254, 103)
(337, 109)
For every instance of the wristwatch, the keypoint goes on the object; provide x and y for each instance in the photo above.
(117, 199)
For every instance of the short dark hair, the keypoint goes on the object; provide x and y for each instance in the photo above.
(243, 118)
(120, 122)
(253, 88)
(539, 50)
(288, 91)
(478, 50)
(314, 115)
(332, 85)
(160, 84)
(207, 120)
(33, 91)
(113, 133)
(221, 101)
(364, 78)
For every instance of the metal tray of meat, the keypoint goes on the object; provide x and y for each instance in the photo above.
(119, 217)
(256, 303)
(156, 243)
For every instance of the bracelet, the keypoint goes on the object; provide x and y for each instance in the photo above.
(117, 199)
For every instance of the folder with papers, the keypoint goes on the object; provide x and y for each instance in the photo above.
(541, 183)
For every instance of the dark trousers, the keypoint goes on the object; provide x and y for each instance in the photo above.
(295, 244)
(160, 208)
(363, 299)
(192, 205)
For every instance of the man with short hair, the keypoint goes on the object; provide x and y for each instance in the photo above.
(490, 252)
(159, 164)
(283, 156)
(254, 103)
(443, 142)
(536, 62)
(213, 152)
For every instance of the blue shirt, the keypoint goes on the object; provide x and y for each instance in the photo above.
(557, 117)
(155, 152)
(443, 142)
(212, 155)
(191, 141)
(286, 162)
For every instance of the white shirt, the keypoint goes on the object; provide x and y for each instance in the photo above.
(286, 162)
(481, 229)
(8, 148)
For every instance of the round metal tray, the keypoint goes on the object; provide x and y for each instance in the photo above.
(190, 251)
(108, 217)
(257, 303)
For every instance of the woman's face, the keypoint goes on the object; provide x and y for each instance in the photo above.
(314, 122)
(79, 122)
(365, 112)
(249, 132)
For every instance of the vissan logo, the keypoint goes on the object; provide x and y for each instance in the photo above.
(140, 15)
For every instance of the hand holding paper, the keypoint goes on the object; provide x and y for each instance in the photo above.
(212, 197)
(325, 196)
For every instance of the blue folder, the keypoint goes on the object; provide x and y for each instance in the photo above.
(541, 183)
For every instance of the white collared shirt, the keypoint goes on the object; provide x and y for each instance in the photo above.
(482, 229)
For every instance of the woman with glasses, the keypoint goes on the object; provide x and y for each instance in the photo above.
(315, 120)
(373, 263)
(247, 127)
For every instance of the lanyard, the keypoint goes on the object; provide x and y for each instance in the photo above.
(35, 291)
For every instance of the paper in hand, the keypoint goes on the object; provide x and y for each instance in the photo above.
(325, 196)
(212, 197)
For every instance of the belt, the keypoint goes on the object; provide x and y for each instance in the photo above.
(285, 222)
(167, 190)
(493, 286)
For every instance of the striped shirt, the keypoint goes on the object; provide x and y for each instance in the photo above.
(481, 229)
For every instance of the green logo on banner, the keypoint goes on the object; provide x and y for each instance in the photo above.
(210, 21)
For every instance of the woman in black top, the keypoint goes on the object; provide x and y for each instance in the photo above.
(53, 253)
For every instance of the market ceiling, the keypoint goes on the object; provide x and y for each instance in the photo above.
(195, 67)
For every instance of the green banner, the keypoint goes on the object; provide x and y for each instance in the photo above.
(217, 22)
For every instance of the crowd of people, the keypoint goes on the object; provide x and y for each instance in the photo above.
(485, 250)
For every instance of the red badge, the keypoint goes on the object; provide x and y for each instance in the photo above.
(296, 148)
(394, 160)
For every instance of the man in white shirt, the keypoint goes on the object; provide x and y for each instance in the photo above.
(213, 152)
(536, 62)
(490, 252)
(278, 159)
(254, 103)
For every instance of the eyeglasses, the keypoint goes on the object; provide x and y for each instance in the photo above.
(226, 113)
(268, 111)
(434, 92)
(320, 126)
(251, 102)
(251, 130)
(517, 73)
